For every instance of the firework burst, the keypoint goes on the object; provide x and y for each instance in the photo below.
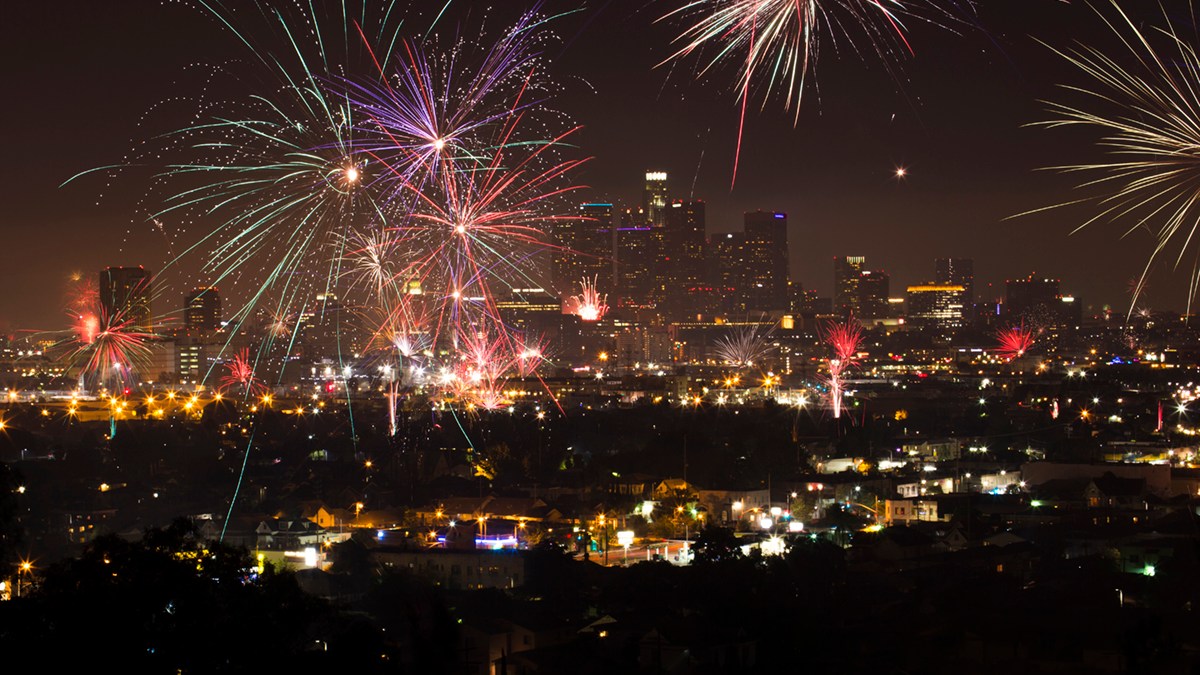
(843, 339)
(773, 44)
(1013, 342)
(108, 346)
(240, 378)
(589, 304)
(1148, 118)
(744, 346)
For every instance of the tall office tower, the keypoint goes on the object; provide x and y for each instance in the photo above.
(767, 260)
(727, 269)
(847, 270)
(127, 289)
(959, 271)
(655, 198)
(936, 306)
(534, 312)
(202, 309)
(874, 286)
(684, 239)
(583, 248)
(1032, 300)
(635, 259)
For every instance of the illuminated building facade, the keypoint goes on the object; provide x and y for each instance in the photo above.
(202, 309)
(684, 239)
(635, 257)
(583, 248)
(960, 271)
(766, 247)
(937, 306)
(656, 198)
(847, 270)
(727, 269)
(874, 287)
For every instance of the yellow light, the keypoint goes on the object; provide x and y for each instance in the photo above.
(352, 175)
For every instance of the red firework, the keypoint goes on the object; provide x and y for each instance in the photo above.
(239, 374)
(844, 339)
(1013, 342)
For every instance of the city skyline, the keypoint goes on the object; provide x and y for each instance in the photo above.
(953, 201)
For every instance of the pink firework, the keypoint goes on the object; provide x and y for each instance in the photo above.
(108, 345)
(530, 357)
(239, 375)
(844, 339)
(1013, 342)
(589, 305)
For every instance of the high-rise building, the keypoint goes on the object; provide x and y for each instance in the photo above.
(960, 271)
(874, 287)
(727, 269)
(536, 313)
(127, 290)
(847, 270)
(935, 306)
(767, 260)
(634, 259)
(584, 248)
(1032, 300)
(655, 198)
(684, 240)
(202, 309)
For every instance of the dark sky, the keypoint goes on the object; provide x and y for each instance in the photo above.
(85, 81)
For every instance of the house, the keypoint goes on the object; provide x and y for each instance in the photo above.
(1112, 491)
(331, 518)
(287, 535)
(905, 510)
(731, 505)
(674, 487)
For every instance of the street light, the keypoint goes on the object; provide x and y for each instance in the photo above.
(625, 538)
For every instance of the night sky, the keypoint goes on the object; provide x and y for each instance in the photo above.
(83, 80)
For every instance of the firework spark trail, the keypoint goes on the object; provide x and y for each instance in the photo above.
(589, 304)
(1013, 342)
(844, 340)
(1148, 118)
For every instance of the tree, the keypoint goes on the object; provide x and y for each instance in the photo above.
(716, 544)
(167, 603)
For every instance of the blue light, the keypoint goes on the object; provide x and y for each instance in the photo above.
(781, 215)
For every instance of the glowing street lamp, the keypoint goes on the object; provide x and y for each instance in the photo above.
(625, 539)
